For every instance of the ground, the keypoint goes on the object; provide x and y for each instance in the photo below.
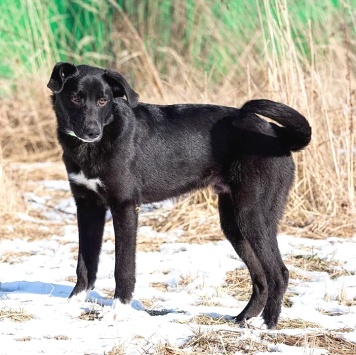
(189, 284)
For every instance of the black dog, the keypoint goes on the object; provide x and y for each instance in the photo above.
(120, 153)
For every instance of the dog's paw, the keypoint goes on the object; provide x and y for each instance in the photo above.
(73, 305)
(79, 298)
(123, 312)
(255, 323)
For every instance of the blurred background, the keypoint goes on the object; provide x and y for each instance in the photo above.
(300, 52)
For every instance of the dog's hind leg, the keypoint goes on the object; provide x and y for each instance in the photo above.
(276, 190)
(277, 286)
(259, 200)
(246, 253)
(91, 221)
(277, 282)
(254, 230)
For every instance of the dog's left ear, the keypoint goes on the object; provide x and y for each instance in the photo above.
(120, 87)
(60, 74)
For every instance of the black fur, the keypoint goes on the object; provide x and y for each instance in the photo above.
(143, 153)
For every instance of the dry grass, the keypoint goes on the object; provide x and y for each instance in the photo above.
(238, 284)
(72, 279)
(296, 323)
(331, 341)
(28, 338)
(117, 350)
(150, 303)
(213, 341)
(222, 342)
(159, 286)
(149, 244)
(296, 275)
(205, 319)
(208, 302)
(284, 323)
(109, 293)
(348, 303)
(57, 337)
(195, 214)
(340, 295)
(91, 315)
(10, 195)
(27, 121)
(15, 227)
(184, 281)
(23, 220)
(166, 349)
(17, 316)
(13, 257)
(314, 263)
(287, 299)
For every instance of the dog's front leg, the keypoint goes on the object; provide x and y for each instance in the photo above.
(91, 221)
(125, 226)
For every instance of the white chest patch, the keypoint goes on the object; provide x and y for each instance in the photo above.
(81, 179)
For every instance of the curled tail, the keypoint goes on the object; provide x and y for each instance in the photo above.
(295, 132)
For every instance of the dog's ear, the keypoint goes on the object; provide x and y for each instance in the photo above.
(120, 87)
(60, 74)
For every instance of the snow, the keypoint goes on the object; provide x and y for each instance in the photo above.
(40, 279)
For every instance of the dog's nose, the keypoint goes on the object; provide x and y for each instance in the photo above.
(92, 131)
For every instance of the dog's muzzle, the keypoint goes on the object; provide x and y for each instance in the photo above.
(85, 139)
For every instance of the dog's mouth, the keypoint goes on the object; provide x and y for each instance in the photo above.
(86, 140)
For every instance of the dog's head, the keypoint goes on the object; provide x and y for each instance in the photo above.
(83, 98)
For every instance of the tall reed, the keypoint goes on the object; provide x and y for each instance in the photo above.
(300, 53)
(9, 195)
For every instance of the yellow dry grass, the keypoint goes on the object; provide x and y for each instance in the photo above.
(117, 350)
(210, 341)
(238, 284)
(332, 341)
(15, 315)
(10, 195)
(90, 315)
(313, 262)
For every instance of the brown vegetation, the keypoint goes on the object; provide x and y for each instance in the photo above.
(319, 84)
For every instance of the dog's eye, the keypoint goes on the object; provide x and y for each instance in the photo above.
(75, 99)
(102, 101)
